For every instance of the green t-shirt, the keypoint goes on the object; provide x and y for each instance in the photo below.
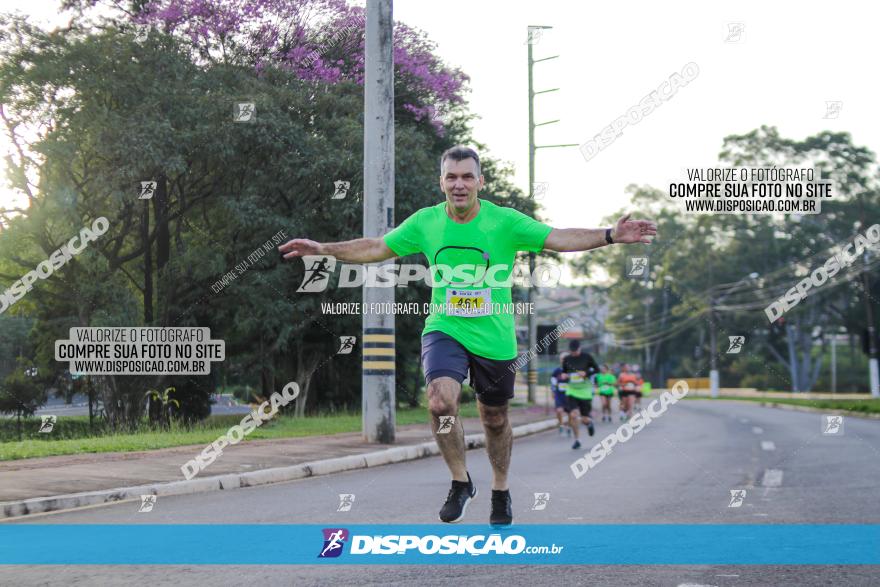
(606, 382)
(579, 387)
(486, 248)
(646, 388)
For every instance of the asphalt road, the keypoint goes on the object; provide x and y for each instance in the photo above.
(680, 469)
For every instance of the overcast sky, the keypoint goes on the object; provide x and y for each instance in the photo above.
(789, 60)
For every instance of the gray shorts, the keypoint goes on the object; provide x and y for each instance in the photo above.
(443, 356)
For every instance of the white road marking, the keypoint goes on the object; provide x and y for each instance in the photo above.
(772, 478)
(767, 445)
(694, 585)
(757, 430)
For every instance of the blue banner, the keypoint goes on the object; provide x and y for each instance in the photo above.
(268, 544)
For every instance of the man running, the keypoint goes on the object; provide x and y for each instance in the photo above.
(626, 383)
(579, 368)
(466, 230)
(606, 382)
(557, 386)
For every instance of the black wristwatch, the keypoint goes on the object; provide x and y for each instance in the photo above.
(608, 238)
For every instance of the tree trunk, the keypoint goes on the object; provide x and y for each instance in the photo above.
(91, 404)
(163, 249)
(179, 245)
(148, 264)
(268, 380)
(417, 384)
(791, 335)
(814, 376)
(267, 375)
(305, 369)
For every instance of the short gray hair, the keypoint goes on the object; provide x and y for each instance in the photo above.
(459, 153)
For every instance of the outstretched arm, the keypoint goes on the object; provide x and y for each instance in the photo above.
(583, 239)
(361, 250)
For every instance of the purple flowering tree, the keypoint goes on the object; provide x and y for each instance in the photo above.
(318, 40)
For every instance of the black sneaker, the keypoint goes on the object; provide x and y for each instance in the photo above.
(457, 501)
(576, 445)
(501, 515)
(591, 429)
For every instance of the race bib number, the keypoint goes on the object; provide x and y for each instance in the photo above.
(576, 378)
(468, 303)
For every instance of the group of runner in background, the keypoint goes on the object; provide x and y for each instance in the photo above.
(573, 384)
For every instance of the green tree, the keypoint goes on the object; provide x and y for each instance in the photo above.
(119, 111)
(723, 270)
(21, 395)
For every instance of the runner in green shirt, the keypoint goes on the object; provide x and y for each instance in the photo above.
(475, 308)
(643, 389)
(579, 367)
(472, 335)
(606, 381)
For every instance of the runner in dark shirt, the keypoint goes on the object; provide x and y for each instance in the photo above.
(578, 369)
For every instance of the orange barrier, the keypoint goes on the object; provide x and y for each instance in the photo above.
(692, 383)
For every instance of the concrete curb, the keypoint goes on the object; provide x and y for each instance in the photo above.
(14, 509)
(813, 410)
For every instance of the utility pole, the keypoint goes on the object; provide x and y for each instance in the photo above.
(534, 34)
(647, 302)
(714, 297)
(378, 378)
(834, 363)
(873, 371)
(661, 368)
(713, 349)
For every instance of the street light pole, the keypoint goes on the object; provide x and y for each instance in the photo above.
(532, 374)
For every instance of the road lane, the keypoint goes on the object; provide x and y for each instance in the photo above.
(679, 469)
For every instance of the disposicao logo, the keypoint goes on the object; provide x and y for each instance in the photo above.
(334, 540)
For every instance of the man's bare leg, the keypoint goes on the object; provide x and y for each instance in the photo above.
(443, 395)
(499, 442)
(574, 417)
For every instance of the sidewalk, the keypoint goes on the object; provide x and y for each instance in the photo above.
(59, 475)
